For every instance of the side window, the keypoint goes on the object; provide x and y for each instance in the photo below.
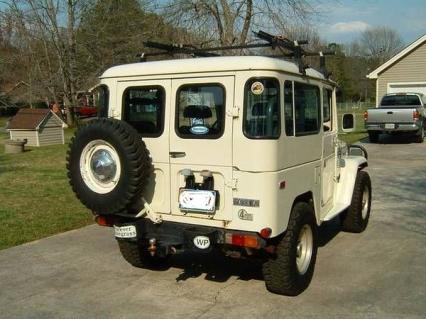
(288, 108)
(144, 109)
(326, 109)
(200, 111)
(307, 107)
(101, 100)
(262, 108)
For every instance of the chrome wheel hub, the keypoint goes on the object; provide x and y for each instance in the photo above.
(103, 166)
(364, 202)
(100, 166)
(304, 249)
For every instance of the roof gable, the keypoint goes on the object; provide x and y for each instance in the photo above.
(28, 119)
(407, 50)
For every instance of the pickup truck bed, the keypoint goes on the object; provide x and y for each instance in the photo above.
(397, 113)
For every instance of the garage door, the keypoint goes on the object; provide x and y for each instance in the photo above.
(407, 87)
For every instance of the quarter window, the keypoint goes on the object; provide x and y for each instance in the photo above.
(101, 99)
(262, 108)
(307, 108)
(288, 108)
(144, 109)
(200, 111)
(326, 109)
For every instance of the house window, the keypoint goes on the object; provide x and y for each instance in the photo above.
(200, 111)
(144, 109)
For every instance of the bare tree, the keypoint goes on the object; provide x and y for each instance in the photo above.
(229, 21)
(380, 43)
(41, 23)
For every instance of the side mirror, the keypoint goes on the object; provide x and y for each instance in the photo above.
(348, 123)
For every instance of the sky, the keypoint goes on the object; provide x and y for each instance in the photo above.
(342, 20)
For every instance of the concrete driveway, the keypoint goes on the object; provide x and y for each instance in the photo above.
(377, 274)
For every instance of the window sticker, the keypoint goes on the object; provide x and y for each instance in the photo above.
(257, 88)
(199, 130)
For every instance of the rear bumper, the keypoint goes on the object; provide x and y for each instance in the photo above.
(171, 236)
(399, 127)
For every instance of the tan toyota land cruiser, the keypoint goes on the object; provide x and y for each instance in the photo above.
(237, 153)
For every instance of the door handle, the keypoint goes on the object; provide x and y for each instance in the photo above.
(390, 112)
(177, 154)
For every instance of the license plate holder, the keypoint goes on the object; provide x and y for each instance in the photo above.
(390, 126)
(128, 231)
(199, 201)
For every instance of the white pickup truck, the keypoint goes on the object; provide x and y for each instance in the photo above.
(397, 112)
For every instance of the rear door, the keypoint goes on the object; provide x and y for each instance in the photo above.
(145, 106)
(201, 140)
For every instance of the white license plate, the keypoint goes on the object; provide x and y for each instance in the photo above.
(125, 231)
(197, 200)
(390, 126)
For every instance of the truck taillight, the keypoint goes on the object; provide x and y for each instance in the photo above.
(416, 115)
(243, 240)
(365, 115)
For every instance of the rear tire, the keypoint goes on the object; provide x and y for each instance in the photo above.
(355, 219)
(290, 271)
(139, 257)
(420, 135)
(373, 136)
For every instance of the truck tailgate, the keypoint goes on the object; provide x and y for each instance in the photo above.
(391, 115)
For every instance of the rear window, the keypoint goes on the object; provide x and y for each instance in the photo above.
(144, 109)
(200, 111)
(262, 108)
(400, 100)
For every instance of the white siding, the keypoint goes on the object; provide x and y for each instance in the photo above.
(50, 136)
(31, 136)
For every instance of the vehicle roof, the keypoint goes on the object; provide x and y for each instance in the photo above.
(210, 64)
(403, 93)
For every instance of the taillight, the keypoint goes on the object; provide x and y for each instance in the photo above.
(107, 221)
(243, 240)
(416, 115)
(365, 115)
(265, 232)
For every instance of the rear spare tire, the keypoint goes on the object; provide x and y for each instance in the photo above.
(108, 165)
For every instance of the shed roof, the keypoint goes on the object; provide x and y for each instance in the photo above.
(397, 57)
(28, 119)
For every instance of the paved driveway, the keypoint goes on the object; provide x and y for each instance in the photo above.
(377, 274)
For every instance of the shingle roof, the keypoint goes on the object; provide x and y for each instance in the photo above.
(28, 119)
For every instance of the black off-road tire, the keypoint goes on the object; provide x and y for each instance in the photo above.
(280, 272)
(138, 256)
(420, 136)
(353, 220)
(373, 136)
(134, 160)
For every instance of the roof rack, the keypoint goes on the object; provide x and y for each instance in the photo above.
(288, 48)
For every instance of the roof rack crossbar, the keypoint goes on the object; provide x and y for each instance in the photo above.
(293, 48)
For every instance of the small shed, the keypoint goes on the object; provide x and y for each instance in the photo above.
(38, 126)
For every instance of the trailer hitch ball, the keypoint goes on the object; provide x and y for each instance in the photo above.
(152, 246)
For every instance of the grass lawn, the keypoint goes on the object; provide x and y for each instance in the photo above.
(36, 200)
